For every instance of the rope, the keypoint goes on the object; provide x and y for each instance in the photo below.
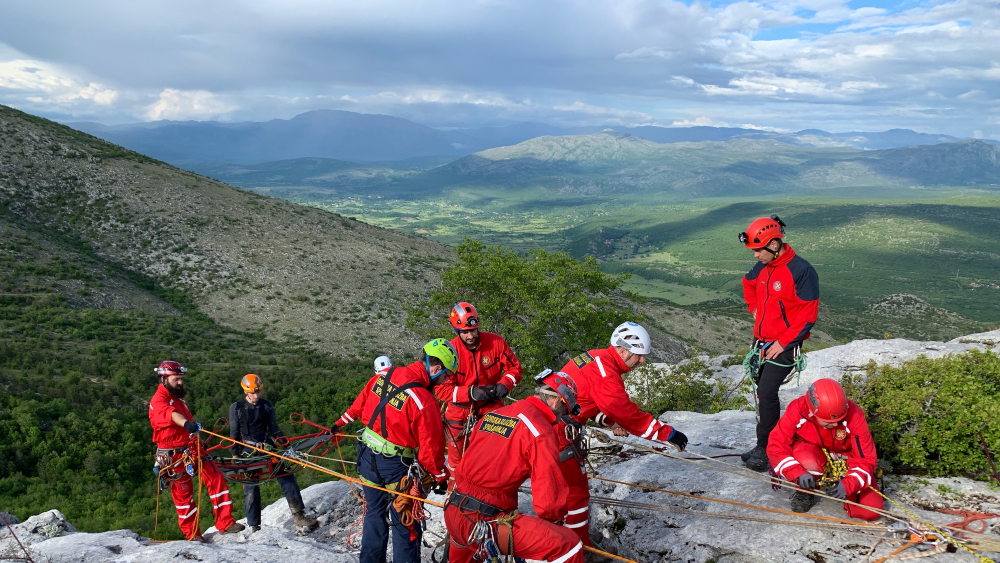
(198, 517)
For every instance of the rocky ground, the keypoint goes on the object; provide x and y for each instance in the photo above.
(669, 533)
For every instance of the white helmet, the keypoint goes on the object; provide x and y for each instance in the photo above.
(632, 337)
(382, 363)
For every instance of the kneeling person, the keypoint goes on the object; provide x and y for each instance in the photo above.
(819, 428)
(508, 446)
(253, 421)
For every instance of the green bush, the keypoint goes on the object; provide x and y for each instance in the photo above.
(925, 414)
(684, 387)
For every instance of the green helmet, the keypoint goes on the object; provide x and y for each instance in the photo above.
(443, 350)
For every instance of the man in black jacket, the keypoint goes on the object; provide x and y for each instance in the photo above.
(253, 421)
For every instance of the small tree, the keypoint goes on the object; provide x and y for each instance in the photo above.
(547, 306)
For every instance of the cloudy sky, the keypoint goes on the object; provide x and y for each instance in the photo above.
(932, 66)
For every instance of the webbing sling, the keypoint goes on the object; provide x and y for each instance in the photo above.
(386, 396)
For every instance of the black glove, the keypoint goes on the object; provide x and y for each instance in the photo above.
(807, 481)
(500, 391)
(441, 488)
(838, 491)
(482, 393)
(192, 427)
(678, 439)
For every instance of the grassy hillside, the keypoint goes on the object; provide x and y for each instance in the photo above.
(250, 262)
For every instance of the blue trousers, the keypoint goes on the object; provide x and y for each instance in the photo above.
(380, 516)
(251, 498)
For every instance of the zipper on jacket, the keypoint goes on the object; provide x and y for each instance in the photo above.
(763, 308)
(784, 317)
(857, 440)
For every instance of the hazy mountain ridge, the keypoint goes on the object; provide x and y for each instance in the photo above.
(345, 135)
(248, 261)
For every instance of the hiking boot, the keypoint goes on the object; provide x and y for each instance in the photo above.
(803, 501)
(305, 522)
(254, 529)
(745, 456)
(197, 539)
(758, 460)
(236, 527)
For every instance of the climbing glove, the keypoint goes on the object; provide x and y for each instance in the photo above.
(500, 391)
(838, 491)
(807, 481)
(192, 427)
(678, 439)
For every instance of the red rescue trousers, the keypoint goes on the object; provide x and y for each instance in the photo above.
(814, 461)
(577, 499)
(534, 538)
(457, 440)
(186, 502)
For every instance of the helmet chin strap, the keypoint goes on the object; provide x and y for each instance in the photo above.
(774, 253)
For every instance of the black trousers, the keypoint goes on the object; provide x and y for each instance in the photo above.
(771, 377)
(251, 498)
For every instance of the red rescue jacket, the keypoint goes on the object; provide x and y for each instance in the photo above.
(602, 395)
(783, 297)
(851, 437)
(508, 446)
(166, 434)
(411, 416)
(492, 362)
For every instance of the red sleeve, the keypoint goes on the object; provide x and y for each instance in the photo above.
(427, 430)
(358, 407)
(549, 491)
(613, 400)
(511, 374)
(750, 295)
(862, 460)
(449, 391)
(160, 413)
(779, 444)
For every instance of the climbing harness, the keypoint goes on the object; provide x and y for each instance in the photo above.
(754, 362)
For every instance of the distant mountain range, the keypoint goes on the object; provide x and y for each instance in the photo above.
(345, 135)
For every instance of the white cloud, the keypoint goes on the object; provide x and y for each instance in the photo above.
(972, 95)
(700, 121)
(49, 85)
(187, 104)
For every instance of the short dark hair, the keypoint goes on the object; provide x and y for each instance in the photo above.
(434, 361)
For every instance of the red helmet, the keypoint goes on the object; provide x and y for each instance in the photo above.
(170, 367)
(464, 316)
(561, 384)
(827, 400)
(763, 231)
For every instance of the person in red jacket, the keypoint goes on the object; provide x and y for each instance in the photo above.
(402, 424)
(782, 294)
(487, 371)
(177, 448)
(603, 398)
(818, 429)
(508, 446)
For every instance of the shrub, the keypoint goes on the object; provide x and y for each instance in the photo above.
(685, 387)
(925, 414)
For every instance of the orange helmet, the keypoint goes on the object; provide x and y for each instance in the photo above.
(827, 400)
(464, 316)
(762, 231)
(251, 383)
(563, 385)
(170, 367)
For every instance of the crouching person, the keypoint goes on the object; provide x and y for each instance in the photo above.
(254, 421)
(402, 426)
(508, 446)
(822, 433)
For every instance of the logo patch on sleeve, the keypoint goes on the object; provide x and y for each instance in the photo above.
(399, 397)
(499, 425)
(840, 434)
(582, 360)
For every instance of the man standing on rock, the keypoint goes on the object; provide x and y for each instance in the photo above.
(487, 371)
(253, 421)
(823, 439)
(178, 448)
(782, 294)
(403, 436)
(508, 446)
(603, 398)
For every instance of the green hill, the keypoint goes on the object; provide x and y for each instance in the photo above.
(250, 262)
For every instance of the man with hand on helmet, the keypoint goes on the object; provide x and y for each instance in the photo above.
(782, 294)
(487, 371)
(603, 397)
(402, 427)
(508, 446)
(253, 421)
(819, 432)
(177, 448)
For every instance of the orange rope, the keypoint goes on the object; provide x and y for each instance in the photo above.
(778, 510)
(887, 557)
(618, 557)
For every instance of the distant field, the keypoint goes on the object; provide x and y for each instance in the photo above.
(673, 292)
